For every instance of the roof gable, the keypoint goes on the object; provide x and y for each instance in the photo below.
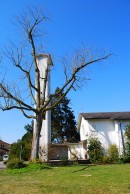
(2, 142)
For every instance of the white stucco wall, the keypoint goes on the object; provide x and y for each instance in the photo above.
(104, 131)
(78, 149)
(108, 131)
(84, 129)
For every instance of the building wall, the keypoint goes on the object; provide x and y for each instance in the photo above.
(77, 151)
(4, 145)
(108, 131)
(4, 148)
(104, 130)
(58, 152)
(84, 129)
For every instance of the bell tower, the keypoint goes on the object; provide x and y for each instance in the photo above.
(44, 63)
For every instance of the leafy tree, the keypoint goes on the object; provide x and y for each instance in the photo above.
(33, 103)
(22, 148)
(27, 142)
(127, 143)
(15, 150)
(63, 122)
(95, 150)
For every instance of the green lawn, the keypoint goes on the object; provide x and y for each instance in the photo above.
(105, 179)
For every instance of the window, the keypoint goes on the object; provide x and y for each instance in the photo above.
(92, 127)
(2, 146)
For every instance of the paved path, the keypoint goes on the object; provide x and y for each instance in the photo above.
(2, 165)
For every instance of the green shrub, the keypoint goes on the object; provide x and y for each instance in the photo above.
(106, 159)
(127, 142)
(95, 150)
(127, 148)
(125, 159)
(37, 166)
(31, 166)
(64, 162)
(113, 154)
(15, 163)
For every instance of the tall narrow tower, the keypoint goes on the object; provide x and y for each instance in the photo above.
(44, 62)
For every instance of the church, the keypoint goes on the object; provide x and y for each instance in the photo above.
(108, 127)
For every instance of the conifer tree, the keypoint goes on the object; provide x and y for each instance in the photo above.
(63, 122)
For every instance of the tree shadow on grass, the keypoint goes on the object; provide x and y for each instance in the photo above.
(81, 169)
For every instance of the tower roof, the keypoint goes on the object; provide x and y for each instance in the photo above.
(47, 56)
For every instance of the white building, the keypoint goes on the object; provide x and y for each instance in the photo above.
(108, 127)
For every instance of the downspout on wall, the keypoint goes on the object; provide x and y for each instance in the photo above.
(122, 138)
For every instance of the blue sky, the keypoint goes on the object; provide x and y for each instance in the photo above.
(99, 25)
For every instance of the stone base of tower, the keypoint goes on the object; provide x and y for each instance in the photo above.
(43, 153)
(45, 139)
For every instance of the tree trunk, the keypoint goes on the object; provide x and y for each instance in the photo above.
(36, 137)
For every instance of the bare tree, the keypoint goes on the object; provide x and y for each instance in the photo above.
(13, 98)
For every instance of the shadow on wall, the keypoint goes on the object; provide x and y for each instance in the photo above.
(103, 133)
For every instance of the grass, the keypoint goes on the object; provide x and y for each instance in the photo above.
(83, 179)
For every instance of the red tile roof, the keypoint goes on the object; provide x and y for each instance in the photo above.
(2, 142)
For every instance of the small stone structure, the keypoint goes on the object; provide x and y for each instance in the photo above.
(58, 152)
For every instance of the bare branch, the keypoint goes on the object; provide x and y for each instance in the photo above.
(17, 61)
(4, 93)
(44, 109)
(65, 72)
(28, 116)
(13, 107)
(70, 82)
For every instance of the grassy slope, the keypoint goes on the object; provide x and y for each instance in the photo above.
(109, 179)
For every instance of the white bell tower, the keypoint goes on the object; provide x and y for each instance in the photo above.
(44, 62)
